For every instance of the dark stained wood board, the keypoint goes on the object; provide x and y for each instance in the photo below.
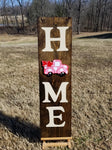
(55, 80)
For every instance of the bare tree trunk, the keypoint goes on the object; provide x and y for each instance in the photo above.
(42, 7)
(6, 21)
(92, 18)
(103, 15)
(88, 22)
(3, 21)
(22, 14)
(98, 10)
(78, 17)
(16, 20)
(108, 25)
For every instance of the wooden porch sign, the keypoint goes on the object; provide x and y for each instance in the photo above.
(54, 51)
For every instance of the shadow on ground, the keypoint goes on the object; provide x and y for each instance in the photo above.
(20, 127)
(99, 36)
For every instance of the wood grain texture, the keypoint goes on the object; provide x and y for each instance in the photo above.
(55, 80)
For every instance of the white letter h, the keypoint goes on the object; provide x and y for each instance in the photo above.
(48, 39)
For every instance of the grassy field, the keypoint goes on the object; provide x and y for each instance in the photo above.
(11, 19)
(91, 92)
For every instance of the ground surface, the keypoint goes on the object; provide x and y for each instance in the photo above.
(91, 92)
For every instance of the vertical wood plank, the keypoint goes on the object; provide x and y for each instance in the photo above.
(55, 80)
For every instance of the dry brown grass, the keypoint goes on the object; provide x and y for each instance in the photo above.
(19, 94)
(12, 19)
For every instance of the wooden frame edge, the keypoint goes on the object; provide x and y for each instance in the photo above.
(56, 138)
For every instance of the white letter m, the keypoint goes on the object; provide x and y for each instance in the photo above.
(49, 90)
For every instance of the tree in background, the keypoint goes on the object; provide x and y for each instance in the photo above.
(4, 12)
(21, 6)
(39, 8)
(87, 15)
